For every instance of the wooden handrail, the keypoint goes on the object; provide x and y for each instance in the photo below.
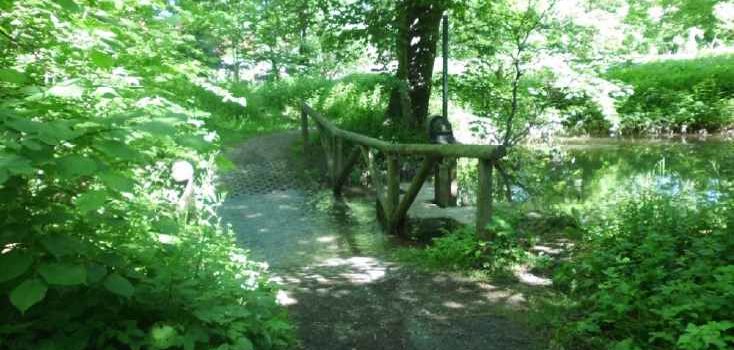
(391, 207)
(414, 149)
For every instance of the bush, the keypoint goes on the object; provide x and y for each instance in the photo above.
(658, 275)
(461, 250)
(356, 102)
(675, 95)
(95, 252)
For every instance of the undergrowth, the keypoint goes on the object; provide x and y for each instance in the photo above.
(356, 102)
(657, 275)
(677, 95)
(98, 247)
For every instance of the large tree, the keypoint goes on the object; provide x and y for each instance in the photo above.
(418, 23)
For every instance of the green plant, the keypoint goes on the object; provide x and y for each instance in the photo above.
(461, 250)
(676, 95)
(95, 106)
(658, 275)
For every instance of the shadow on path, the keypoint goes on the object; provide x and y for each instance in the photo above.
(331, 262)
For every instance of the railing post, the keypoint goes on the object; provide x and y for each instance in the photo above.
(443, 181)
(393, 190)
(484, 199)
(304, 128)
(338, 159)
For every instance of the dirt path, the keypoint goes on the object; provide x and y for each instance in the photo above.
(332, 263)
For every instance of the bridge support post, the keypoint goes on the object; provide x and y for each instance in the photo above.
(346, 170)
(338, 150)
(393, 188)
(401, 212)
(304, 128)
(484, 199)
(443, 181)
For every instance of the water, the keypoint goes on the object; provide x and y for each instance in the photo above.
(605, 171)
(602, 171)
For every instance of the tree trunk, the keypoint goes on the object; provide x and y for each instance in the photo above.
(418, 32)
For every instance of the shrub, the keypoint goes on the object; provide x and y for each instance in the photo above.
(672, 95)
(658, 275)
(94, 253)
(461, 250)
(356, 102)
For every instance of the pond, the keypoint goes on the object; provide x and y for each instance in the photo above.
(604, 171)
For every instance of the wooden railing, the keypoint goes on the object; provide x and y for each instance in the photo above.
(392, 209)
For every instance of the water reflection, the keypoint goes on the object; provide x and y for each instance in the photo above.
(605, 171)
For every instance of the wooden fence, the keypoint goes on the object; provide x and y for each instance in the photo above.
(345, 149)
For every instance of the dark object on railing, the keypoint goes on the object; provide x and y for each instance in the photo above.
(440, 132)
(444, 176)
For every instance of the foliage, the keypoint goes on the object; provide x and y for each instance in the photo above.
(461, 249)
(356, 102)
(658, 275)
(95, 105)
(675, 95)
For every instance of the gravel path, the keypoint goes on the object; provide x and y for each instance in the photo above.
(331, 262)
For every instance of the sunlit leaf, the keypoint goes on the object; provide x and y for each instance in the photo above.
(28, 294)
(69, 5)
(101, 59)
(118, 182)
(91, 200)
(15, 164)
(76, 165)
(12, 76)
(163, 336)
(105, 91)
(158, 128)
(196, 142)
(66, 91)
(167, 225)
(116, 149)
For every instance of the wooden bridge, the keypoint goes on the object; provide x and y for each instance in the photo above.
(345, 149)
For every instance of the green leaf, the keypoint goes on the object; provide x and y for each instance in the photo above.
(69, 91)
(196, 142)
(63, 274)
(158, 128)
(68, 5)
(15, 164)
(119, 285)
(27, 294)
(116, 149)
(25, 125)
(14, 264)
(244, 344)
(75, 165)
(224, 164)
(101, 59)
(163, 337)
(118, 182)
(56, 131)
(12, 76)
(91, 200)
(95, 272)
(105, 91)
(61, 245)
(167, 226)
(3, 177)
